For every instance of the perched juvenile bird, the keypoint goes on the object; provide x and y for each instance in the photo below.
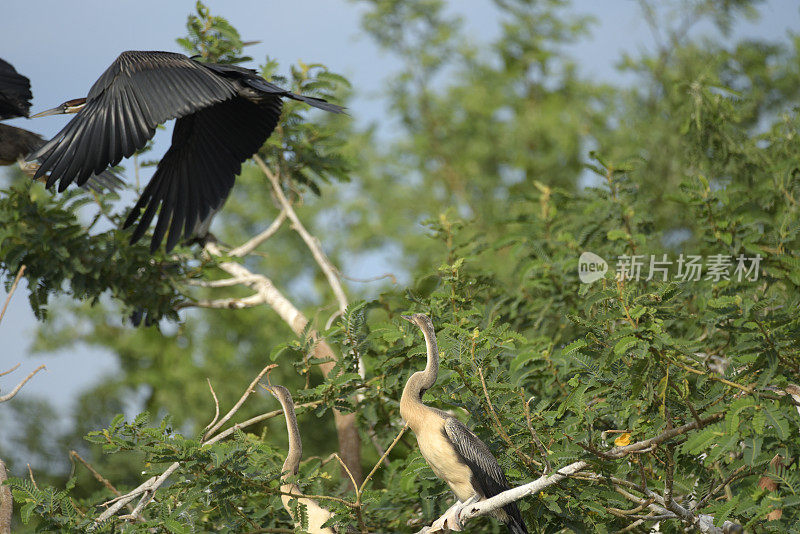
(455, 454)
(317, 516)
(224, 112)
(17, 143)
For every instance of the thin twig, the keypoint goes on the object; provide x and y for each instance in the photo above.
(246, 248)
(4, 373)
(216, 406)
(390, 276)
(239, 403)
(100, 478)
(9, 396)
(524, 457)
(349, 474)
(720, 487)
(226, 304)
(534, 435)
(378, 463)
(313, 245)
(105, 482)
(225, 282)
(11, 291)
(345, 423)
(149, 483)
(33, 480)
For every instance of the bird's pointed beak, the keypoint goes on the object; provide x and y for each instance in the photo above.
(60, 110)
(67, 108)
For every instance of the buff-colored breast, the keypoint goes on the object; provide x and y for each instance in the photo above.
(443, 459)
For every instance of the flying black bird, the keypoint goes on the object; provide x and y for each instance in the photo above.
(224, 112)
(16, 143)
(455, 454)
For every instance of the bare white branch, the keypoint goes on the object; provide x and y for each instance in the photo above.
(148, 488)
(313, 244)
(216, 406)
(9, 396)
(225, 282)
(264, 287)
(229, 303)
(11, 291)
(250, 246)
(464, 512)
(4, 373)
(239, 403)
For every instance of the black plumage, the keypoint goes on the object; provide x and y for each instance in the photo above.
(488, 478)
(17, 143)
(15, 92)
(224, 112)
(455, 454)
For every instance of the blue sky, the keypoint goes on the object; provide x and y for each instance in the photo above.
(64, 46)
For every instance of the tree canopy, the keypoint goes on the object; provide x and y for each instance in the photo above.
(612, 271)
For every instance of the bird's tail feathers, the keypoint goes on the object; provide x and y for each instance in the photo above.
(516, 526)
(317, 103)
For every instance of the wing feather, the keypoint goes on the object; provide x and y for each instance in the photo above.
(15, 92)
(488, 476)
(197, 173)
(116, 124)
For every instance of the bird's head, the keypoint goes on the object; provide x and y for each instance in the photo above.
(419, 319)
(279, 392)
(68, 107)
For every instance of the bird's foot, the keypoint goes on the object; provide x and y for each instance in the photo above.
(451, 519)
(28, 167)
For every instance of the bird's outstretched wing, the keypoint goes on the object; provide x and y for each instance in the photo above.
(251, 78)
(197, 172)
(488, 477)
(16, 143)
(136, 93)
(15, 92)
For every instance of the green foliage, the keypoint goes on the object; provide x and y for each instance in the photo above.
(43, 232)
(697, 158)
(212, 38)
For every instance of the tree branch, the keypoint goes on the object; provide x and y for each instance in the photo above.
(349, 439)
(9, 396)
(464, 513)
(313, 244)
(11, 291)
(249, 246)
(148, 488)
(6, 502)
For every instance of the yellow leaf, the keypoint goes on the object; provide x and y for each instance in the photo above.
(623, 439)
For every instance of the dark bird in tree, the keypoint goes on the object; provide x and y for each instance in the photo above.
(17, 143)
(224, 112)
(15, 92)
(455, 454)
(317, 516)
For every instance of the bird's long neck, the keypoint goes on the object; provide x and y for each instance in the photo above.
(292, 462)
(432, 367)
(411, 407)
